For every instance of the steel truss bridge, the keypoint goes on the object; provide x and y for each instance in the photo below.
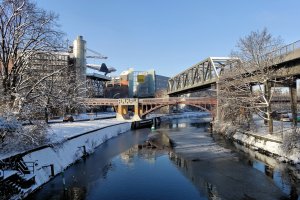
(206, 73)
(201, 75)
(142, 107)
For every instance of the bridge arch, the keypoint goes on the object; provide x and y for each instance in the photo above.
(142, 107)
(156, 107)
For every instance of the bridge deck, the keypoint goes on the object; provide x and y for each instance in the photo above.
(207, 72)
(151, 101)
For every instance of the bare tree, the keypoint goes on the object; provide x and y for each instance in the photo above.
(246, 87)
(27, 33)
(25, 30)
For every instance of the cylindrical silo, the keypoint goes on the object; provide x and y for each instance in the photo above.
(79, 51)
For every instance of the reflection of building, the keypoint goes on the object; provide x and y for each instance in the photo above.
(149, 151)
(136, 84)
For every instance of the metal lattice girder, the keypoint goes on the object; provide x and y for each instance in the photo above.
(203, 73)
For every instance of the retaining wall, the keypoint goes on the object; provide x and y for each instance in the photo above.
(65, 154)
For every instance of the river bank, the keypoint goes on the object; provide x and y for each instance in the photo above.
(68, 143)
(140, 164)
(273, 145)
(71, 142)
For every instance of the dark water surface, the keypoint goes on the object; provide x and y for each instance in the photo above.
(127, 167)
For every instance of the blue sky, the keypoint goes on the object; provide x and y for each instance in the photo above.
(170, 35)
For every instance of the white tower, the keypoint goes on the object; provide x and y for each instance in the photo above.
(79, 51)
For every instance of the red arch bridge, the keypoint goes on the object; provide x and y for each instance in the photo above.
(142, 107)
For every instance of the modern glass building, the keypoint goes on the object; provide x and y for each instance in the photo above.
(138, 84)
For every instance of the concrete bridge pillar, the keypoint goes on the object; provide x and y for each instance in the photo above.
(293, 94)
(119, 114)
(122, 110)
(136, 115)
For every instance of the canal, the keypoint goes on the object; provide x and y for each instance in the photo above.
(194, 164)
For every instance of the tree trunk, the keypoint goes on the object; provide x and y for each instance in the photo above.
(269, 106)
(46, 115)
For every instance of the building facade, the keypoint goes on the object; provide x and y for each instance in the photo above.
(136, 84)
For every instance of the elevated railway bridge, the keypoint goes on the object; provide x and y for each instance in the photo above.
(206, 74)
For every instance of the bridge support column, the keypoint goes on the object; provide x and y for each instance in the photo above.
(293, 93)
(218, 107)
(141, 110)
(119, 114)
(136, 116)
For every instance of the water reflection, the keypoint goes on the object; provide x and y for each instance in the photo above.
(284, 176)
(150, 169)
(156, 145)
(205, 187)
(183, 123)
(75, 193)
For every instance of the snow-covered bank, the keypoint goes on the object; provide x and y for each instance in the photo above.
(58, 133)
(87, 116)
(85, 139)
(271, 147)
(259, 140)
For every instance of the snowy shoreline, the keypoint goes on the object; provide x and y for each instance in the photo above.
(62, 155)
(267, 144)
(71, 142)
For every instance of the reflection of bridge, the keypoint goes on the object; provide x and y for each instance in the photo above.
(142, 107)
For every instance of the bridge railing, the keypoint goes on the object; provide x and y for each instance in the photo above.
(158, 100)
(288, 48)
(171, 100)
(100, 101)
(152, 101)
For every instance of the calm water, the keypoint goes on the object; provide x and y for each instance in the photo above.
(128, 168)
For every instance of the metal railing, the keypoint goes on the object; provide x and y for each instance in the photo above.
(288, 48)
(99, 101)
(25, 167)
(208, 100)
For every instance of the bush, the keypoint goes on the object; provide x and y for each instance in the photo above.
(291, 141)
(16, 137)
(8, 126)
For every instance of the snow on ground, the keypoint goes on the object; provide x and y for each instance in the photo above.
(84, 116)
(62, 155)
(60, 131)
(281, 129)
(65, 152)
(259, 138)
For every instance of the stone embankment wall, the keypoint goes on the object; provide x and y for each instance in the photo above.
(264, 144)
(62, 155)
